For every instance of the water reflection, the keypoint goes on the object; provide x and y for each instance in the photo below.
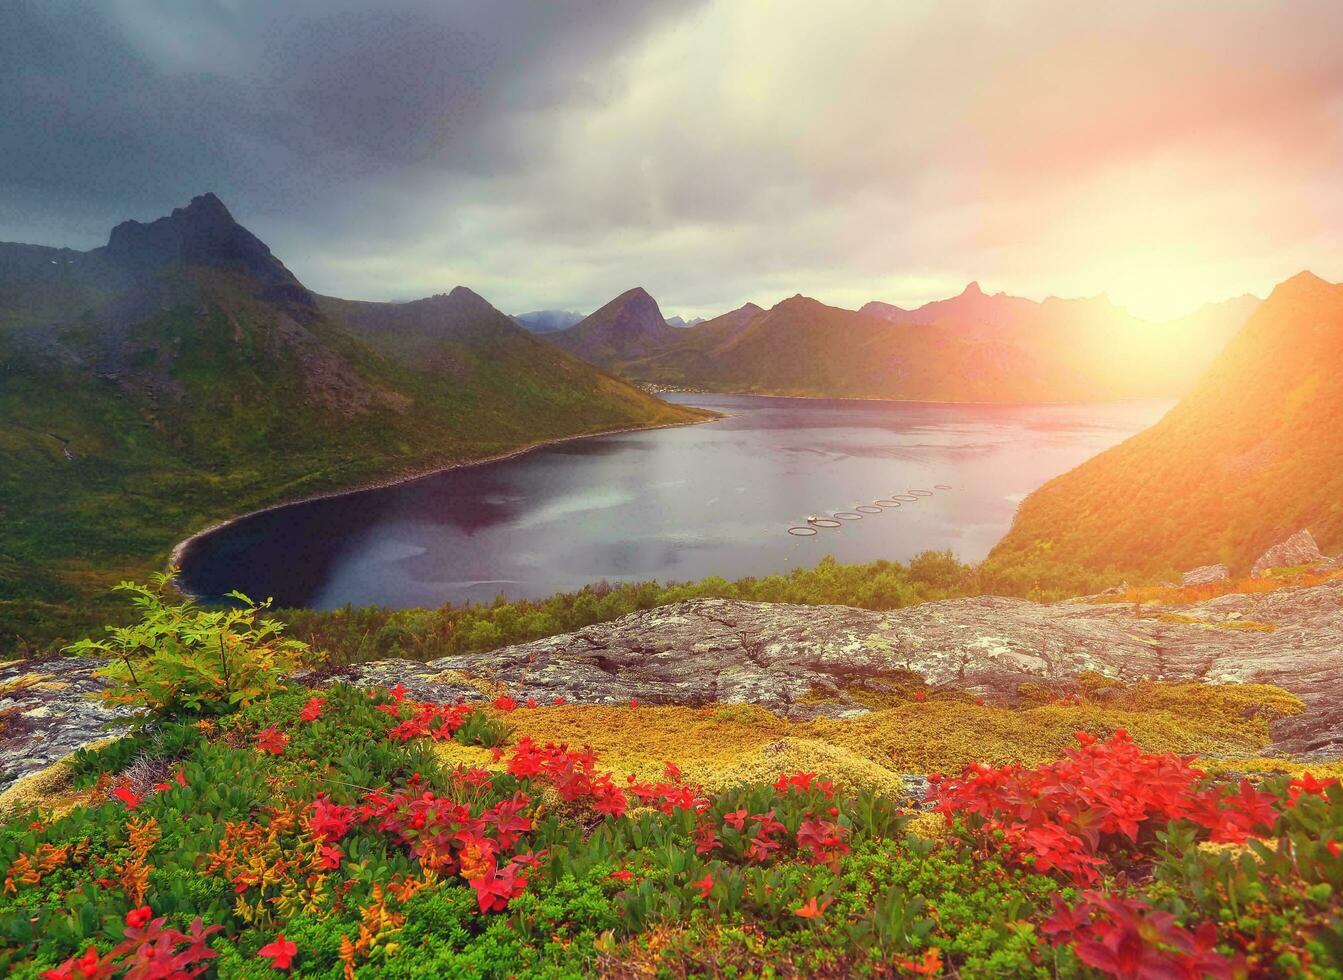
(672, 504)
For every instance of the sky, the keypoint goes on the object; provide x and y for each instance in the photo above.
(552, 155)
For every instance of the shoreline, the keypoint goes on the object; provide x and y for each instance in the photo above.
(184, 546)
(924, 401)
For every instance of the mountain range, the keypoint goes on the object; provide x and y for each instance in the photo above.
(1248, 456)
(972, 347)
(181, 373)
(545, 321)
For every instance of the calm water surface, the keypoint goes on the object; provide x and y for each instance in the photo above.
(671, 504)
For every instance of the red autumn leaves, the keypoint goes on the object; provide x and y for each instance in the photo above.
(149, 949)
(1097, 802)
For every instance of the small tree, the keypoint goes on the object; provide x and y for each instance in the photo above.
(182, 659)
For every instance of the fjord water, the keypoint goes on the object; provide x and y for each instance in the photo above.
(671, 504)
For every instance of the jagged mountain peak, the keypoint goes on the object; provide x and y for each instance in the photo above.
(204, 233)
(1304, 283)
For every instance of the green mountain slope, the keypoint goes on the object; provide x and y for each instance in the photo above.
(1252, 454)
(181, 374)
(972, 347)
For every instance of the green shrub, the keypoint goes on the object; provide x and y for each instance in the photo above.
(180, 659)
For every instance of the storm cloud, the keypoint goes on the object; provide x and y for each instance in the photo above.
(555, 154)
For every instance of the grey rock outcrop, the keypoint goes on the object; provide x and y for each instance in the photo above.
(46, 713)
(777, 656)
(1298, 550)
(1206, 575)
(781, 656)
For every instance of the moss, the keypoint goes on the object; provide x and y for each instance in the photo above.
(946, 734)
(21, 683)
(724, 745)
(842, 766)
(1261, 766)
(51, 788)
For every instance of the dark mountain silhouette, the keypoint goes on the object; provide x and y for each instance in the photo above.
(1249, 456)
(631, 325)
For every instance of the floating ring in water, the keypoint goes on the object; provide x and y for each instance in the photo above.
(904, 496)
(868, 509)
(847, 515)
(920, 493)
(802, 532)
(942, 486)
(883, 502)
(825, 522)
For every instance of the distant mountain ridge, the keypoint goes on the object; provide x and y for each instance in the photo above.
(971, 347)
(631, 325)
(1247, 457)
(181, 373)
(545, 321)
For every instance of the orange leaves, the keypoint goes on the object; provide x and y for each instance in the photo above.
(811, 909)
(929, 966)
(29, 870)
(133, 874)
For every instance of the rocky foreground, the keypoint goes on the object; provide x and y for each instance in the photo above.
(801, 661)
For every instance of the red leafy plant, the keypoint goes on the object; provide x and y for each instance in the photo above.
(1128, 939)
(1102, 802)
(150, 950)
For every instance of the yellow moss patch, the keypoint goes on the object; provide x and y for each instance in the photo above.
(930, 826)
(844, 767)
(465, 680)
(947, 735)
(50, 789)
(20, 683)
(640, 740)
(1272, 767)
(727, 744)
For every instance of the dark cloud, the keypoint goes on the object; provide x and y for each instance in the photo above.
(129, 107)
(552, 154)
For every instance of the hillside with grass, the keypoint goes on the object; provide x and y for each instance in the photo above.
(181, 374)
(1250, 456)
(247, 824)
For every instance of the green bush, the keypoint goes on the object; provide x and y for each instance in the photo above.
(182, 659)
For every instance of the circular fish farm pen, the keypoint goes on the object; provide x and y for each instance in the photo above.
(881, 504)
